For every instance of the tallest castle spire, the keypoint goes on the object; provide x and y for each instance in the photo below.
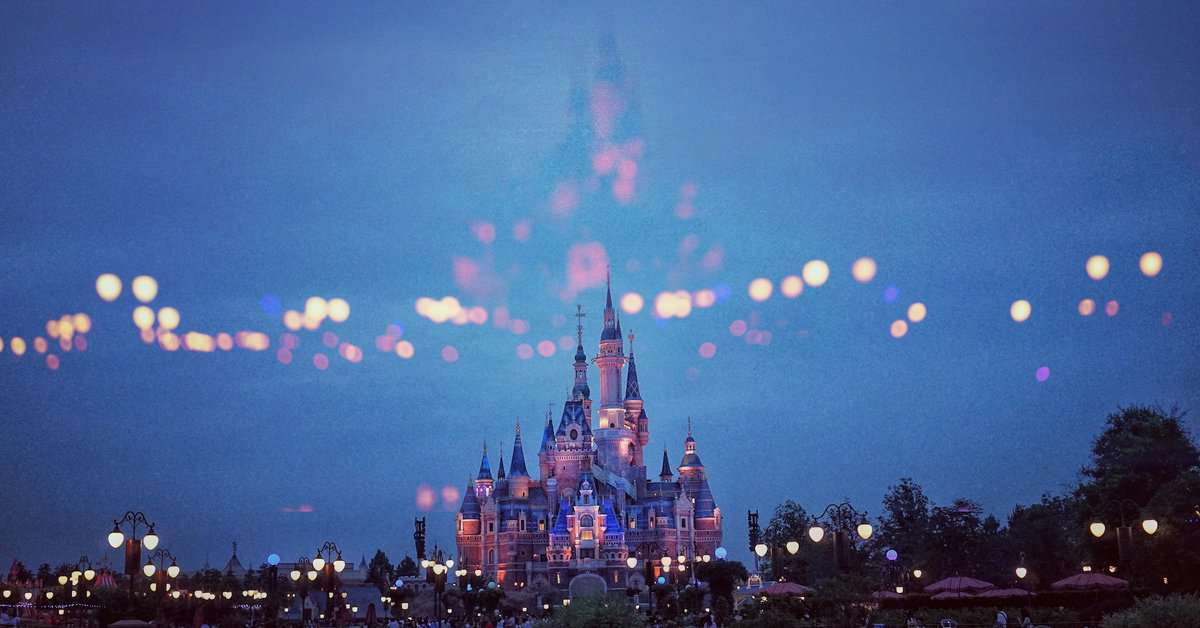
(611, 358)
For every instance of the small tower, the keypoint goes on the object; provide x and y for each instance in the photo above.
(483, 482)
(518, 476)
(610, 360)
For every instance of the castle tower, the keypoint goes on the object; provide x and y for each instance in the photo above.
(518, 476)
(610, 361)
(483, 482)
(635, 418)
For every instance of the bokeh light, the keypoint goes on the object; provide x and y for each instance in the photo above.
(426, 498)
(168, 318)
(1097, 267)
(708, 350)
(224, 341)
(52, 362)
(143, 317)
(791, 286)
(321, 361)
(524, 351)
(17, 344)
(316, 308)
(450, 497)
(1112, 307)
(284, 355)
(144, 288)
(450, 354)
(676, 304)
(40, 345)
(339, 310)
(1087, 307)
(738, 327)
(405, 349)
(108, 286)
(916, 312)
(760, 289)
(632, 302)
(704, 298)
(196, 341)
(1150, 263)
(1042, 374)
(545, 348)
(293, 320)
(1020, 310)
(816, 273)
(899, 328)
(252, 340)
(863, 270)
(82, 323)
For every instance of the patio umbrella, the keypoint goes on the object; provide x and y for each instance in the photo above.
(787, 588)
(953, 595)
(1005, 593)
(959, 584)
(886, 595)
(1090, 581)
(371, 614)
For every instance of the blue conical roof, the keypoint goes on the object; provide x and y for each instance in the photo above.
(470, 505)
(485, 468)
(516, 467)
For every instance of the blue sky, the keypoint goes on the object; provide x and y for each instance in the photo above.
(979, 152)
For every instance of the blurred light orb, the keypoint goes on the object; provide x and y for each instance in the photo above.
(1042, 374)
(321, 361)
(224, 341)
(705, 298)
(546, 348)
(1150, 263)
(708, 350)
(917, 312)
(52, 328)
(293, 320)
(890, 294)
(52, 362)
(863, 270)
(722, 553)
(17, 344)
(524, 351)
(82, 323)
(450, 354)
(1112, 307)
(284, 355)
(145, 288)
(339, 310)
(676, 304)
(405, 349)
(1020, 310)
(143, 317)
(40, 345)
(899, 328)
(108, 286)
(892, 554)
(1097, 267)
(760, 289)
(816, 273)
(1087, 307)
(738, 327)
(168, 318)
(316, 308)
(632, 302)
(791, 286)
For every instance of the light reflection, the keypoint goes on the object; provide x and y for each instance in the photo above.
(1150, 263)
(791, 286)
(1020, 310)
(863, 270)
(1097, 267)
(760, 289)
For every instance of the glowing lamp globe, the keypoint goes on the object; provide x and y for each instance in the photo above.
(478, 573)
(1150, 526)
(1020, 310)
(900, 590)
(62, 580)
(682, 558)
(75, 575)
(7, 593)
(115, 538)
(815, 273)
(1097, 529)
(1097, 267)
(227, 594)
(49, 595)
(339, 565)
(319, 563)
(917, 573)
(706, 558)
(175, 594)
(816, 533)
(666, 562)
(28, 595)
(89, 574)
(312, 574)
(1022, 572)
(150, 541)
(449, 564)
(662, 580)
(865, 530)
(148, 569)
(892, 555)
(722, 553)
(631, 562)
(295, 575)
(173, 571)
(272, 559)
(760, 549)
(792, 547)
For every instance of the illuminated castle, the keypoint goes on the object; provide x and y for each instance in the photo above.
(592, 505)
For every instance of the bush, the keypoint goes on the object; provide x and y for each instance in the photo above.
(1175, 611)
(594, 612)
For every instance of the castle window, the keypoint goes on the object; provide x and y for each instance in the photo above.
(492, 556)
(542, 525)
(491, 526)
(633, 523)
(522, 525)
(586, 535)
(586, 521)
(683, 522)
(460, 527)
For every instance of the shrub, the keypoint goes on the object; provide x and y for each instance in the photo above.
(1175, 611)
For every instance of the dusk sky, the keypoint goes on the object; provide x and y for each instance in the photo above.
(251, 157)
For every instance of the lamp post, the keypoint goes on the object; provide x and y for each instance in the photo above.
(844, 519)
(302, 573)
(133, 545)
(436, 570)
(330, 569)
(1124, 532)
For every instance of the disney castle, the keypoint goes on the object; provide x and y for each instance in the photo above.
(592, 505)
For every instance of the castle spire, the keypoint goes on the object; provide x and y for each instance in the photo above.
(665, 474)
(500, 473)
(580, 390)
(516, 467)
(485, 468)
(548, 433)
(632, 389)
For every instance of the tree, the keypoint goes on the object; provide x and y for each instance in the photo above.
(963, 542)
(790, 522)
(379, 572)
(595, 612)
(904, 525)
(407, 567)
(722, 577)
(1048, 534)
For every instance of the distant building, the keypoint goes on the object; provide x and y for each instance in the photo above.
(593, 505)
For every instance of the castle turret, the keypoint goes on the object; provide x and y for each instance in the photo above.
(665, 475)
(545, 463)
(610, 360)
(635, 416)
(483, 482)
(518, 476)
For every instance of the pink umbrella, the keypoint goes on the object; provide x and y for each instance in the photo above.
(886, 595)
(787, 588)
(1090, 581)
(953, 595)
(1005, 593)
(959, 584)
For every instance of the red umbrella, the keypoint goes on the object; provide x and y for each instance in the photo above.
(953, 595)
(1005, 593)
(886, 595)
(1090, 581)
(959, 584)
(787, 588)
(371, 614)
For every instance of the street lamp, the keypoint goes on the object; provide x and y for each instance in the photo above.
(842, 518)
(330, 571)
(1097, 528)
